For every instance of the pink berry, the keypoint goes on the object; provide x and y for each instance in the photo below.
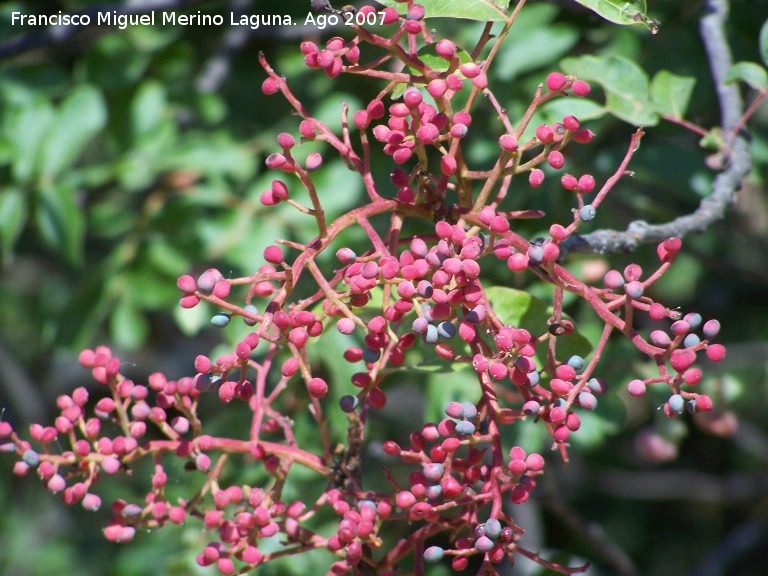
(536, 178)
(555, 81)
(270, 86)
(314, 161)
(716, 352)
(556, 159)
(390, 16)
(545, 134)
(415, 12)
(454, 82)
(448, 165)
(571, 123)
(508, 143)
(580, 88)
(586, 184)
(286, 141)
(437, 88)
(569, 182)
(361, 119)
(445, 49)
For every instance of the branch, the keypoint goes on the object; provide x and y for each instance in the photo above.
(726, 183)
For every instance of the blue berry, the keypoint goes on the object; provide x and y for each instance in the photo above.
(576, 362)
(492, 528)
(250, 308)
(465, 427)
(348, 403)
(587, 212)
(536, 254)
(433, 554)
(431, 335)
(587, 400)
(477, 314)
(433, 492)
(693, 319)
(203, 382)
(31, 457)
(446, 330)
(131, 510)
(370, 356)
(634, 289)
(691, 405)
(424, 288)
(711, 329)
(533, 378)
(531, 408)
(433, 471)
(691, 340)
(426, 310)
(484, 544)
(221, 319)
(676, 403)
(470, 410)
(598, 385)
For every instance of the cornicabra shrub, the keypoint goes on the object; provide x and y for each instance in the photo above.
(430, 302)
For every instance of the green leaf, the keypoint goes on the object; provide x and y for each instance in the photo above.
(552, 42)
(13, 217)
(482, 10)
(671, 93)
(764, 42)
(25, 127)
(518, 308)
(60, 220)
(128, 326)
(625, 84)
(147, 109)
(625, 12)
(750, 73)
(80, 116)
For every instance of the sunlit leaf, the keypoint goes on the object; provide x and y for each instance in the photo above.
(625, 12)
(671, 93)
(625, 84)
(468, 9)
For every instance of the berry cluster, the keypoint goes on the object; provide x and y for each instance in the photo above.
(406, 298)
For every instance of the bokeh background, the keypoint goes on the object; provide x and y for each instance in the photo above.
(129, 157)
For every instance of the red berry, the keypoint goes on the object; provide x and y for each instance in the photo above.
(317, 387)
(583, 136)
